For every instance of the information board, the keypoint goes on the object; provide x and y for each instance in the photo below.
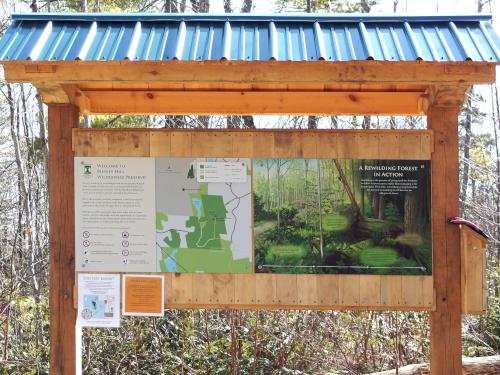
(114, 205)
(263, 215)
(342, 216)
(204, 215)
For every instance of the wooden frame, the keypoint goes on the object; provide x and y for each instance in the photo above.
(435, 89)
(274, 291)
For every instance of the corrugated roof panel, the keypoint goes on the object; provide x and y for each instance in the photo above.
(202, 37)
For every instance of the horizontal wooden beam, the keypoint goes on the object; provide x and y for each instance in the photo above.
(269, 72)
(280, 291)
(334, 144)
(253, 102)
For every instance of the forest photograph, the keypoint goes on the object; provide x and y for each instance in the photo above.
(342, 216)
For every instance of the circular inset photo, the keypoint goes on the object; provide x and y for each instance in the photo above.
(86, 314)
(125, 252)
(86, 234)
(125, 243)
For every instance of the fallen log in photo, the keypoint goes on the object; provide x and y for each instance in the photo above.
(471, 366)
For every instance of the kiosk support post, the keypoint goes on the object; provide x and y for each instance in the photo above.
(445, 321)
(62, 118)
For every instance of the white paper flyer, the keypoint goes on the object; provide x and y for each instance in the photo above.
(98, 300)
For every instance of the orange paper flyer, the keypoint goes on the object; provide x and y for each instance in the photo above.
(143, 295)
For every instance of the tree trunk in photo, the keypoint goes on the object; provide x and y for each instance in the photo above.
(381, 207)
(411, 212)
(467, 125)
(375, 204)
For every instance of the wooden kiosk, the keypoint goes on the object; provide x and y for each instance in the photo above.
(248, 65)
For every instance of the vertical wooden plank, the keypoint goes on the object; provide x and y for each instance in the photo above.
(128, 143)
(224, 288)
(349, 290)
(90, 143)
(307, 290)
(389, 146)
(445, 321)
(287, 145)
(243, 148)
(244, 289)
(369, 290)
(463, 264)
(391, 290)
(473, 280)
(202, 288)
(309, 144)
(428, 292)
(286, 289)
(475, 274)
(180, 143)
(329, 146)
(367, 146)
(426, 145)
(182, 288)
(263, 144)
(327, 287)
(159, 143)
(346, 145)
(410, 146)
(265, 288)
(63, 338)
(211, 144)
(168, 289)
(412, 291)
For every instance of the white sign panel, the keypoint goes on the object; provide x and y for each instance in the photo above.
(115, 214)
(98, 300)
(221, 171)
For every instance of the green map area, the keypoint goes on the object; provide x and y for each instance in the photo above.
(198, 244)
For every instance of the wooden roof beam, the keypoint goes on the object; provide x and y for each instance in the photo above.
(360, 72)
(249, 102)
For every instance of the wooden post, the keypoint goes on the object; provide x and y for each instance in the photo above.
(62, 118)
(445, 322)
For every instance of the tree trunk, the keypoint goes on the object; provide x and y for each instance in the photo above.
(312, 122)
(278, 185)
(467, 125)
(320, 209)
(411, 212)
(246, 7)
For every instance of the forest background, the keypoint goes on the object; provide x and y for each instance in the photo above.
(220, 341)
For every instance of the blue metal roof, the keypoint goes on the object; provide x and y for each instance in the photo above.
(248, 37)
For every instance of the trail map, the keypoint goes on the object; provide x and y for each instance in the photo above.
(202, 215)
